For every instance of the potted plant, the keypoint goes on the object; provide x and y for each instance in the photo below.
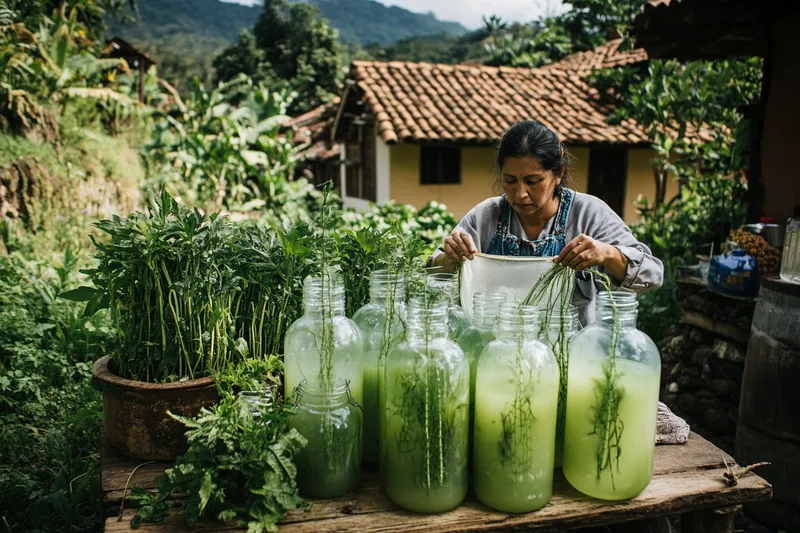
(188, 294)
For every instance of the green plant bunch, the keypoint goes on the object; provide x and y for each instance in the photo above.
(239, 467)
(223, 150)
(548, 294)
(431, 223)
(50, 415)
(165, 278)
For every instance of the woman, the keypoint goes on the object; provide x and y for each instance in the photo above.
(579, 229)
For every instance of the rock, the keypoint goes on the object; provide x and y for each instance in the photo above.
(701, 355)
(673, 387)
(690, 382)
(687, 403)
(691, 371)
(728, 351)
(674, 371)
(717, 420)
(726, 369)
(698, 336)
(706, 394)
(725, 388)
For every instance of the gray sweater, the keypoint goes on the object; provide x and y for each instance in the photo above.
(588, 215)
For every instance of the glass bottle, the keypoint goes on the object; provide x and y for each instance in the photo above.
(790, 259)
(446, 285)
(485, 308)
(258, 401)
(331, 420)
(323, 346)
(612, 403)
(557, 330)
(427, 424)
(381, 325)
(516, 402)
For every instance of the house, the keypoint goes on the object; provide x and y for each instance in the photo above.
(118, 48)
(718, 29)
(416, 132)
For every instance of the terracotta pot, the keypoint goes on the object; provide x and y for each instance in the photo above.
(135, 412)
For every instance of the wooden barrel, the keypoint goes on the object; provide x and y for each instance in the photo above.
(769, 409)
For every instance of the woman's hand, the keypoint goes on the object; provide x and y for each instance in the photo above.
(459, 246)
(584, 252)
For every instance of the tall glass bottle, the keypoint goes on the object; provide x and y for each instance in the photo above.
(330, 464)
(612, 403)
(516, 400)
(557, 331)
(323, 346)
(427, 424)
(485, 308)
(790, 260)
(446, 286)
(381, 325)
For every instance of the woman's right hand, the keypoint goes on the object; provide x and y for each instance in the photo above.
(459, 246)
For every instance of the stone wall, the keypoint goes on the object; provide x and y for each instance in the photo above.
(702, 361)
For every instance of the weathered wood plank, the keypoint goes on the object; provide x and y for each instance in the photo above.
(696, 454)
(368, 510)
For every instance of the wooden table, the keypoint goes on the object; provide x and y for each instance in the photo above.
(687, 481)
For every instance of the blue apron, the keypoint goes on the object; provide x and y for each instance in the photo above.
(503, 243)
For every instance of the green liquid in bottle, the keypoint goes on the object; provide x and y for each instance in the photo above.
(628, 475)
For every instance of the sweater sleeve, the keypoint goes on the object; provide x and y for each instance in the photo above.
(480, 222)
(644, 271)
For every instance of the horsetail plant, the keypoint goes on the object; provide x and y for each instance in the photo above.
(554, 291)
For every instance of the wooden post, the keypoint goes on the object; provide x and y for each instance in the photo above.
(141, 80)
(711, 521)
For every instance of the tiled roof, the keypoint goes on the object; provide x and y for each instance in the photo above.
(312, 129)
(604, 56)
(421, 102)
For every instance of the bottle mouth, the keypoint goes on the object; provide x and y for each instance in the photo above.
(443, 285)
(386, 277)
(315, 394)
(518, 313)
(323, 292)
(622, 302)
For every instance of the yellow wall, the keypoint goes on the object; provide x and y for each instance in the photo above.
(477, 175)
(641, 181)
(579, 169)
(475, 186)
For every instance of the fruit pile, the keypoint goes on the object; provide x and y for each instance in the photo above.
(768, 257)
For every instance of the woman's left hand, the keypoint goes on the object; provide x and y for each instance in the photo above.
(584, 252)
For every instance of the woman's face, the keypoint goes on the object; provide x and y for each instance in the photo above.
(527, 185)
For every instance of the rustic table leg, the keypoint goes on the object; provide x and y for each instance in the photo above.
(711, 521)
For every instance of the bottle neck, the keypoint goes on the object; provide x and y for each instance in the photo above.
(426, 320)
(486, 308)
(445, 286)
(568, 320)
(617, 307)
(385, 287)
(517, 321)
(335, 395)
(323, 296)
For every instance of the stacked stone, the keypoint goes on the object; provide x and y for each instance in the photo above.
(702, 362)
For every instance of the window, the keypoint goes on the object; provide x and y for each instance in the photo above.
(608, 171)
(439, 165)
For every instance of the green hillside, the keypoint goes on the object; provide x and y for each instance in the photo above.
(361, 21)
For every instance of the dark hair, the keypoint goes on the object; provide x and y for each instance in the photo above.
(534, 139)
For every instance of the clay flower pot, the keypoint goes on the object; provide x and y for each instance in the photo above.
(135, 412)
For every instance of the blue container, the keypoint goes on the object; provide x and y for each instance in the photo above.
(735, 273)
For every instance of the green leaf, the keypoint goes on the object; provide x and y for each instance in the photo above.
(206, 489)
(81, 294)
